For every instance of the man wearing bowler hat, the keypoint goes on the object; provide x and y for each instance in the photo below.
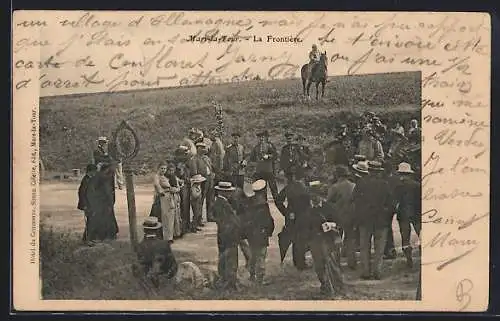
(228, 235)
(265, 155)
(234, 161)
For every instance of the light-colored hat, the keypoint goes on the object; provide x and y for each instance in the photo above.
(314, 184)
(151, 223)
(102, 139)
(405, 168)
(201, 144)
(198, 178)
(361, 167)
(225, 186)
(183, 148)
(258, 185)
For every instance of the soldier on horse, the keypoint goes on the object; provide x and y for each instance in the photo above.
(315, 71)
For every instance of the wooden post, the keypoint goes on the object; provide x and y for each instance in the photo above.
(127, 144)
(132, 214)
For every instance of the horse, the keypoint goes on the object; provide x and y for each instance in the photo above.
(317, 74)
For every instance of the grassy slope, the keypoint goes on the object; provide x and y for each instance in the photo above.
(70, 124)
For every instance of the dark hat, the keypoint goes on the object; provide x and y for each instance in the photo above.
(301, 137)
(288, 134)
(236, 134)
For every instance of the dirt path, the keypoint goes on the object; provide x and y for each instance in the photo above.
(58, 209)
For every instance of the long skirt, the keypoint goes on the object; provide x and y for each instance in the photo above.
(102, 224)
(170, 215)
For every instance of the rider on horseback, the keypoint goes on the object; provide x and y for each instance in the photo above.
(314, 56)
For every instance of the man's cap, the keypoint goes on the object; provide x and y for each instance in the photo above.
(288, 134)
(236, 134)
(102, 139)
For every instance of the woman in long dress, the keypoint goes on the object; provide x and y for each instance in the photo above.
(176, 183)
(101, 196)
(169, 202)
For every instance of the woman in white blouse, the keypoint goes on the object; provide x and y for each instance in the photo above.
(167, 188)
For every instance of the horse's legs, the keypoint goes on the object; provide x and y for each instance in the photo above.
(317, 90)
(304, 80)
(308, 87)
(322, 89)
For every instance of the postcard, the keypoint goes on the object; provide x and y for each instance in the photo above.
(251, 161)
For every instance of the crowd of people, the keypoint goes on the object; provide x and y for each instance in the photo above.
(376, 176)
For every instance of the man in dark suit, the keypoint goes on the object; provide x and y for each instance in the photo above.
(290, 157)
(325, 240)
(296, 214)
(259, 227)
(340, 198)
(228, 235)
(83, 201)
(234, 161)
(265, 155)
(372, 201)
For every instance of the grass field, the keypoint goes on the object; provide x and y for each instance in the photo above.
(69, 125)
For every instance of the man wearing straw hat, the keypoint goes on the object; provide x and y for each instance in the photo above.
(372, 201)
(259, 227)
(228, 235)
(325, 240)
(408, 200)
(155, 255)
